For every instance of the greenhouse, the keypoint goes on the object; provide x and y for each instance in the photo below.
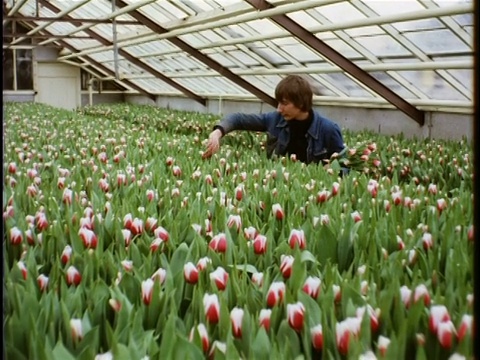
(239, 179)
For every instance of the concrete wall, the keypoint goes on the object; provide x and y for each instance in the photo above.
(102, 98)
(438, 125)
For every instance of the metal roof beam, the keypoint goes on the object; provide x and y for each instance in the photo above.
(48, 23)
(104, 69)
(134, 60)
(148, 36)
(200, 56)
(71, 20)
(338, 59)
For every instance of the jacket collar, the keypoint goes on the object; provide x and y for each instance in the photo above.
(314, 129)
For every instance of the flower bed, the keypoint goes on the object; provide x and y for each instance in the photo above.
(121, 241)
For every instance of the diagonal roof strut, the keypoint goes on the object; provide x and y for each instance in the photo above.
(152, 25)
(131, 58)
(338, 59)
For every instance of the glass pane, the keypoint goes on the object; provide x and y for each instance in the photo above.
(244, 58)
(393, 84)
(424, 24)
(429, 42)
(8, 69)
(346, 85)
(271, 56)
(394, 7)
(383, 45)
(343, 48)
(432, 84)
(301, 53)
(24, 69)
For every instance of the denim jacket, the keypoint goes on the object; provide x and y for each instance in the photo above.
(323, 137)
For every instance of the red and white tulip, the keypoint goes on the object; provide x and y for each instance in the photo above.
(236, 317)
(211, 307)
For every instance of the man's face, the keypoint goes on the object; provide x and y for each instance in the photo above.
(288, 110)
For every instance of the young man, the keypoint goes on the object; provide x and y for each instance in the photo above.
(294, 128)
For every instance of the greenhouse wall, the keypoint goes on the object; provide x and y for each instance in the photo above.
(438, 125)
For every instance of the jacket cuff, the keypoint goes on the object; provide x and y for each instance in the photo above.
(219, 127)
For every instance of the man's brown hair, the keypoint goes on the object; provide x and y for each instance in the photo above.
(295, 89)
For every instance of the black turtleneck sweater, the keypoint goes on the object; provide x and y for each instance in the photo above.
(298, 142)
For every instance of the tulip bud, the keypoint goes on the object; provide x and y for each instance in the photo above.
(76, 329)
(275, 293)
(73, 276)
(220, 277)
(297, 237)
(203, 333)
(211, 308)
(264, 318)
(236, 317)
(286, 264)
(278, 211)
(312, 286)
(257, 278)
(190, 273)
(159, 275)
(219, 243)
(147, 291)
(382, 345)
(260, 244)
(296, 314)
(316, 333)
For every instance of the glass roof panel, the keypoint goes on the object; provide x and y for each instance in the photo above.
(254, 46)
(428, 42)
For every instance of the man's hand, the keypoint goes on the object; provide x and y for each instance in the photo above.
(213, 144)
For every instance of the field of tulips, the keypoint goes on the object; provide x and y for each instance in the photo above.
(120, 242)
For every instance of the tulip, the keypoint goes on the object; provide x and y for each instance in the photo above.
(121, 179)
(356, 216)
(161, 233)
(286, 264)
(382, 345)
(190, 273)
(373, 315)
(312, 286)
(260, 244)
(16, 236)
(316, 333)
(441, 205)
(432, 189)
(250, 233)
(115, 304)
(211, 308)
(127, 221)
(76, 328)
(457, 356)
(203, 333)
(12, 168)
(150, 195)
(405, 295)
(176, 170)
(23, 269)
(275, 293)
(147, 291)
(73, 276)
(219, 243)
(465, 327)
(323, 196)
(155, 244)
(264, 318)
(397, 197)
(217, 345)
(297, 237)
(337, 293)
(203, 262)
(335, 188)
(278, 211)
(220, 277)
(234, 221)
(32, 191)
(103, 184)
(239, 192)
(445, 333)
(159, 275)
(257, 278)
(127, 265)
(151, 224)
(88, 237)
(86, 222)
(296, 314)
(438, 314)
(427, 241)
(344, 330)
(421, 291)
(67, 196)
(29, 237)
(41, 221)
(42, 281)
(127, 236)
(66, 254)
(470, 234)
(236, 317)
(137, 226)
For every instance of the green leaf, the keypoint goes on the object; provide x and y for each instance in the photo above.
(61, 353)
(261, 347)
